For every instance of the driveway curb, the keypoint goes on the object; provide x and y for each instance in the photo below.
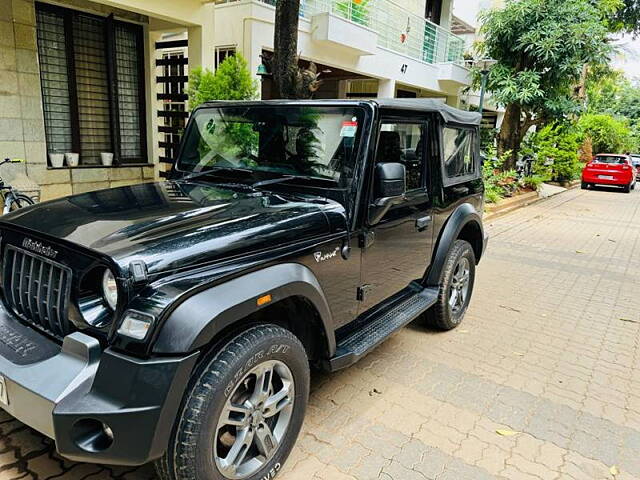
(515, 203)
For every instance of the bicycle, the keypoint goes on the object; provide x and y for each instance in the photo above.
(13, 199)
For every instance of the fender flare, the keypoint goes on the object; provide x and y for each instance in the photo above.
(198, 319)
(462, 216)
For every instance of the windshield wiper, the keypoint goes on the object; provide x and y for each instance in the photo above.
(287, 178)
(215, 171)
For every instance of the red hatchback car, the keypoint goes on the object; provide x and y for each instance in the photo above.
(610, 169)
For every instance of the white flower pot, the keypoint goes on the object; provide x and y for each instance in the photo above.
(106, 158)
(73, 159)
(56, 159)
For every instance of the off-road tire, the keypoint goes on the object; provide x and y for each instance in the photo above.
(440, 315)
(190, 452)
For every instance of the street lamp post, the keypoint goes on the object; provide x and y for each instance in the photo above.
(485, 66)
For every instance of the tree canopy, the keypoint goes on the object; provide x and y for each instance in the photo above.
(542, 47)
(628, 17)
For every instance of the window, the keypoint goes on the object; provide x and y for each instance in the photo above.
(611, 159)
(318, 142)
(91, 71)
(458, 152)
(404, 143)
(222, 53)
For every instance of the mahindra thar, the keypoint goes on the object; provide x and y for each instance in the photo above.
(178, 321)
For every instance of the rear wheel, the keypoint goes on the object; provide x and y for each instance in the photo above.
(243, 410)
(456, 287)
(584, 185)
(626, 188)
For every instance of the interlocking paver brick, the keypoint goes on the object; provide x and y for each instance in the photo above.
(543, 352)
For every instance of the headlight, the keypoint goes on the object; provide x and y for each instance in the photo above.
(110, 289)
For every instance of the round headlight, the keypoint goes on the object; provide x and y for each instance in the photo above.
(110, 289)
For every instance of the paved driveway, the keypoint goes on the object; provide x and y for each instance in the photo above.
(542, 381)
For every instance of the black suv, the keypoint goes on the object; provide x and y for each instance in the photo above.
(177, 321)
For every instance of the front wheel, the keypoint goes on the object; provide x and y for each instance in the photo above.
(456, 287)
(243, 410)
(15, 201)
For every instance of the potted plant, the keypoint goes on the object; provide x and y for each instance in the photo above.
(106, 158)
(56, 159)
(73, 159)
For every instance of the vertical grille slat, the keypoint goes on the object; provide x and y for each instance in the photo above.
(37, 289)
(20, 282)
(30, 285)
(60, 303)
(50, 296)
(39, 296)
(13, 274)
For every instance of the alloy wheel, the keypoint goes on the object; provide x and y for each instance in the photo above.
(254, 420)
(459, 286)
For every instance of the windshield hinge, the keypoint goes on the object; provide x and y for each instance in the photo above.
(138, 270)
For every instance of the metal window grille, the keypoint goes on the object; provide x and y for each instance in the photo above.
(91, 71)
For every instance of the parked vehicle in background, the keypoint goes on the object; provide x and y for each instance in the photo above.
(12, 199)
(610, 170)
(177, 321)
(635, 161)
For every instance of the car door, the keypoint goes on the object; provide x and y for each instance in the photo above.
(397, 249)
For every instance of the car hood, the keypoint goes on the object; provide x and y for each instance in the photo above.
(172, 225)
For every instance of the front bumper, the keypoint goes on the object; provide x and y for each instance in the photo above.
(71, 392)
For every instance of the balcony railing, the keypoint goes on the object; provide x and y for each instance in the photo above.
(398, 30)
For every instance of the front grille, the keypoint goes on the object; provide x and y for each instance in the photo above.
(37, 289)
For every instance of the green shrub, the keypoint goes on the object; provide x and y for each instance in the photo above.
(497, 183)
(232, 80)
(533, 181)
(556, 149)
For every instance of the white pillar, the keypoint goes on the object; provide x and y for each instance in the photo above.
(446, 15)
(201, 38)
(386, 88)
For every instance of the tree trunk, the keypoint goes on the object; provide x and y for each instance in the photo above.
(510, 137)
(285, 44)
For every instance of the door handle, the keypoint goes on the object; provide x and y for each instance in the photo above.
(423, 223)
(460, 190)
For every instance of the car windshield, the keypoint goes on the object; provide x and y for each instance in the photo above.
(610, 159)
(315, 142)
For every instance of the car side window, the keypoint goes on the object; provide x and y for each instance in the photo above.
(404, 143)
(458, 152)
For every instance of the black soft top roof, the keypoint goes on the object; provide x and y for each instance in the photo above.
(448, 114)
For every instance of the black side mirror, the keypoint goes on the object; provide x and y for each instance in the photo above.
(389, 189)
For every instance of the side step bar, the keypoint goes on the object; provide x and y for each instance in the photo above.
(360, 342)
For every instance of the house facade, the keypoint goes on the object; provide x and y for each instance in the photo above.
(92, 93)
